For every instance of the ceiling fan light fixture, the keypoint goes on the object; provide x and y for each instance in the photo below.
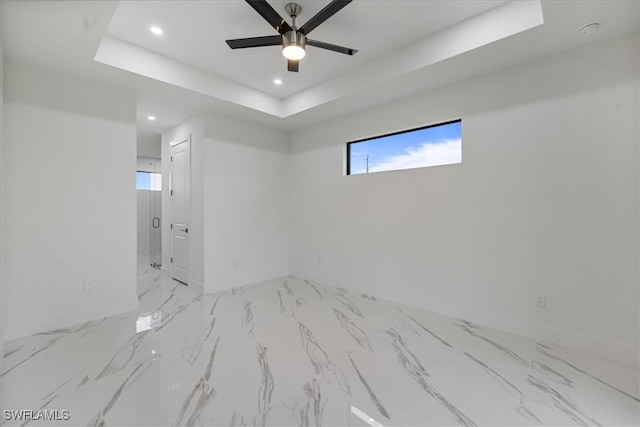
(292, 40)
(293, 43)
(293, 52)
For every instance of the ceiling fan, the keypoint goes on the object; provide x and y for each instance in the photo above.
(293, 40)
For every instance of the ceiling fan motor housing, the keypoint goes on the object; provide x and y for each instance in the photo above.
(294, 38)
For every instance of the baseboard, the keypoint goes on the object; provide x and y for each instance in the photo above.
(29, 325)
(594, 345)
(198, 285)
(590, 344)
(328, 281)
(214, 287)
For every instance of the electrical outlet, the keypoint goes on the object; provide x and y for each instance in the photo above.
(88, 287)
(541, 301)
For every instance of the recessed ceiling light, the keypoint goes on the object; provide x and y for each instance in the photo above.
(152, 118)
(156, 30)
(277, 82)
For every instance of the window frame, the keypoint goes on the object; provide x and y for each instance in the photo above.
(348, 168)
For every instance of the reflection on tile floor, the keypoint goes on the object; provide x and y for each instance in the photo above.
(292, 352)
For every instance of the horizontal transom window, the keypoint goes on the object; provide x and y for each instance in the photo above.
(434, 145)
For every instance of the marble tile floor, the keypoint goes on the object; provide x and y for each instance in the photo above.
(289, 352)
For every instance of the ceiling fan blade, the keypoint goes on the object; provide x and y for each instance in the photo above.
(333, 47)
(327, 12)
(292, 65)
(255, 42)
(270, 15)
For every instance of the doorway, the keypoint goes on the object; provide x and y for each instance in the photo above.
(149, 194)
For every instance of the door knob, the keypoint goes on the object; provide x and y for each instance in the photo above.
(185, 230)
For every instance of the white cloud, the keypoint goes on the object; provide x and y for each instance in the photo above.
(444, 153)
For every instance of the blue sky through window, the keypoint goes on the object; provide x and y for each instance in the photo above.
(143, 181)
(148, 181)
(437, 145)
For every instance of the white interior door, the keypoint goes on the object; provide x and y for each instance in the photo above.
(180, 194)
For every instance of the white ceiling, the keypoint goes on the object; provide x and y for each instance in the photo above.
(195, 35)
(190, 68)
(454, 39)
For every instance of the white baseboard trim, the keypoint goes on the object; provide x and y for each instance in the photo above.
(214, 287)
(29, 325)
(196, 284)
(590, 344)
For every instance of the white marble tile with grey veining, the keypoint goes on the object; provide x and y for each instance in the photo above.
(565, 387)
(294, 352)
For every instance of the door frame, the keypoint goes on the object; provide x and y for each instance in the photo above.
(172, 144)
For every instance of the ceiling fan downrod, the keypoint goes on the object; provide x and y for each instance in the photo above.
(293, 10)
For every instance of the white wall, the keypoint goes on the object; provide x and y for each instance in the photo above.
(2, 311)
(246, 213)
(69, 206)
(149, 145)
(239, 201)
(545, 202)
